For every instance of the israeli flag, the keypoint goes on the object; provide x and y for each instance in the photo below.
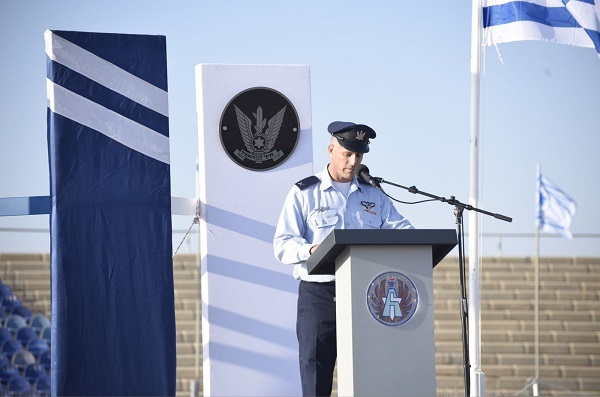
(587, 15)
(554, 208)
(571, 22)
(113, 312)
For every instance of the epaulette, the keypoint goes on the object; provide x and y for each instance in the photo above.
(306, 182)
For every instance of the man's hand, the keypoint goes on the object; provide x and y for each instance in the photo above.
(313, 249)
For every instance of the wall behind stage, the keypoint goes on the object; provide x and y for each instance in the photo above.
(248, 297)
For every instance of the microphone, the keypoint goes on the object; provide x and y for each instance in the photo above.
(362, 172)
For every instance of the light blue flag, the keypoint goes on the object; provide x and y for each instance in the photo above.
(554, 208)
(571, 22)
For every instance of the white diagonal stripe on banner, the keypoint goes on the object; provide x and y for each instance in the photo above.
(123, 130)
(106, 73)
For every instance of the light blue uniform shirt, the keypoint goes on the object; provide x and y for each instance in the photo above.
(310, 214)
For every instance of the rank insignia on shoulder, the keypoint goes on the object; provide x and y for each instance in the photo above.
(306, 182)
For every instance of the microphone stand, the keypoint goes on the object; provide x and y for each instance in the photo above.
(458, 213)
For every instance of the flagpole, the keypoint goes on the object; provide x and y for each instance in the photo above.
(536, 381)
(477, 377)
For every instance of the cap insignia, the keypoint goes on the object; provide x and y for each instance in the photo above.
(360, 135)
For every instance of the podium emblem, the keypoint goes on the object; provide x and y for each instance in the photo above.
(392, 298)
(259, 129)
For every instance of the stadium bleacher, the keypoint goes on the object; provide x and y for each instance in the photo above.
(569, 323)
(21, 347)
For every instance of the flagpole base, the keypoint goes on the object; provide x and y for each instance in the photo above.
(477, 384)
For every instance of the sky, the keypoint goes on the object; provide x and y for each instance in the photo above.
(403, 68)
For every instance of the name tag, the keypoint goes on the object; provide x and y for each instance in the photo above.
(323, 217)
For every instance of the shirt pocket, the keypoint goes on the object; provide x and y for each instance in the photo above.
(323, 219)
(368, 221)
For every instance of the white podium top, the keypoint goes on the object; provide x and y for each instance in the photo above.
(322, 261)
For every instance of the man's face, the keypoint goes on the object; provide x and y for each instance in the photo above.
(342, 162)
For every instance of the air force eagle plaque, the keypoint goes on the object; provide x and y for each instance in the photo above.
(259, 128)
(392, 298)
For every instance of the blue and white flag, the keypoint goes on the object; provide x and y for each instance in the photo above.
(587, 15)
(554, 208)
(571, 22)
(113, 315)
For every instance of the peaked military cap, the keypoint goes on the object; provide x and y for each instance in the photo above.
(352, 136)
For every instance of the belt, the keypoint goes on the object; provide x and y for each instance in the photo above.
(328, 283)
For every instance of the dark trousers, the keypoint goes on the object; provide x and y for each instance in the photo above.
(315, 328)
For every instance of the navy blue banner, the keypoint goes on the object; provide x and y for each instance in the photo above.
(113, 316)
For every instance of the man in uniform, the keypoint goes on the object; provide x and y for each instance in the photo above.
(331, 199)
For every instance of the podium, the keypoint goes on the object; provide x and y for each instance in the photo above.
(384, 304)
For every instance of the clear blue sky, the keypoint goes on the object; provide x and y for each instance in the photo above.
(401, 67)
